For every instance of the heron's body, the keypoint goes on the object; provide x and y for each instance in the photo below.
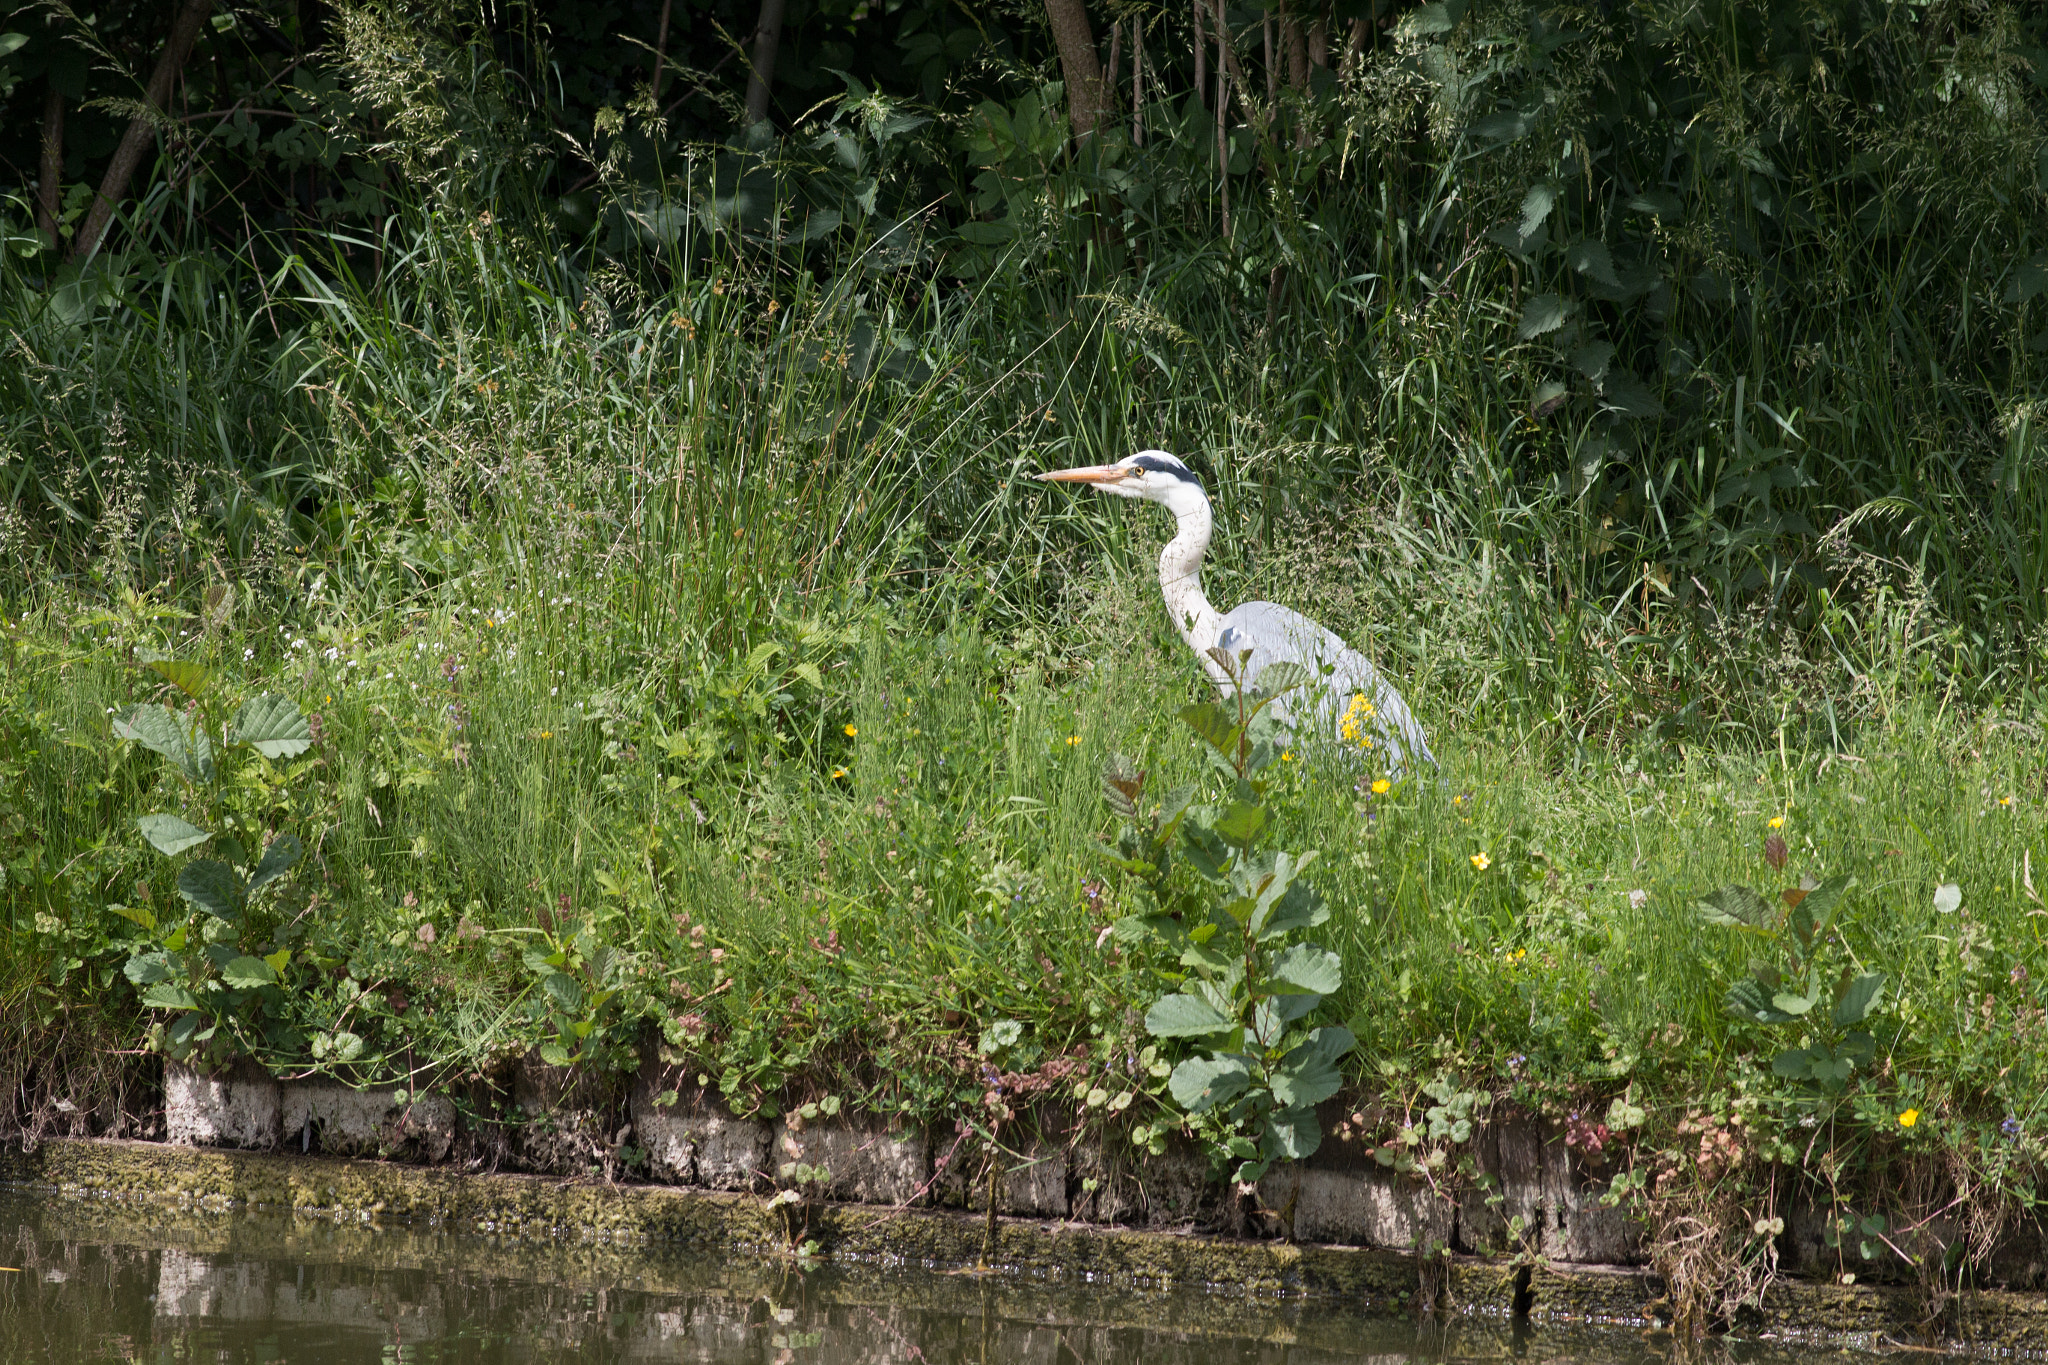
(1348, 704)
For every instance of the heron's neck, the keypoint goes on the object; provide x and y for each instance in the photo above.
(1180, 582)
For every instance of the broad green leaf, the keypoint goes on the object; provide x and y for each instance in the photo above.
(1507, 125)
(273, 726)
(1796, 1063)
(1138, 928)
(213, 886)
(1293, 1134)
(146, 969)
(1201, 1083)
(563, 990)
(1425, 21)
(1305, 1077)
(167, 996)
(1282, 676)
(157, 729)
(1746, 999)
(193, 679)
(1208, 855)
(1859, 999)
(1242, 822)
(279, 960)
(171, 836)
(1313, 969)
(1735, 905)
(281, 857)
(1793, 1005)
(145, 918)
(1816, 909)
(1543, 313)
(11, 43)
(1948, 898)
(247, 973)
(1216, 725)
(1184, 1016)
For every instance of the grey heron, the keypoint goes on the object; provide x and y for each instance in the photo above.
(1353, 706)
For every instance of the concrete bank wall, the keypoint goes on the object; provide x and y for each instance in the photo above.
(593, 1220)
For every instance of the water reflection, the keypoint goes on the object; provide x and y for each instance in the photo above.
(96, 1281)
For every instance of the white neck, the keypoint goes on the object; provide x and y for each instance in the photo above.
(1180, 579)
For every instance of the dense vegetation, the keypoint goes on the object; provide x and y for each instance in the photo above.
(639, 505)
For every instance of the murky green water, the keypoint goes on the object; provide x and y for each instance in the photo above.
(95, 1280)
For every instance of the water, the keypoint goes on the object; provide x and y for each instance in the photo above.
(95, 1280)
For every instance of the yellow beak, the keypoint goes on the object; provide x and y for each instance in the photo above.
(1094, 473)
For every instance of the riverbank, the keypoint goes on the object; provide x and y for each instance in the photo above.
(597, 1234)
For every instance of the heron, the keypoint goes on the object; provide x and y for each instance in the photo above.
(1352, 705)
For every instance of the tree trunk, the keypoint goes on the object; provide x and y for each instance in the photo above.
(1201, 57)
(50, 173)
(1078, 63)
(1137, 82)
(767, 39)
(141, 130)
(660, 51)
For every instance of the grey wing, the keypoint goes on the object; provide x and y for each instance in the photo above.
(1342, 675)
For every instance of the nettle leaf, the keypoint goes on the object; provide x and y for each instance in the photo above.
(1592, 258)
(1859, 999)
(1184, 1016)
(273, 726)
(1662, 204)
(1536, 206)
(193, 679)
(1737, 905)
(1543, 313)
(1201, 1083)
(157, 729)
(281, 857)
(1311, 968)
(214, 887)
(171, 836)
(1591, 359)
(247, 973)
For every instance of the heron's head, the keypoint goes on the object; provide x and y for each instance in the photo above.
(1150, 474)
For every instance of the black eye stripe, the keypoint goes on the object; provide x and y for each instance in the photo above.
(1173, 467)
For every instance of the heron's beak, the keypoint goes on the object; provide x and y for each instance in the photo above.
(1094, 473)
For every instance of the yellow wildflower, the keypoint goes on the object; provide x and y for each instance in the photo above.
(1072, 740)
(1382, 787)
(851, 731)
(1287, 755)
(838, 772)
(1481, 861)
(547, 734)
(1777, 822)
(2005, 800)
(1909, 1118)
